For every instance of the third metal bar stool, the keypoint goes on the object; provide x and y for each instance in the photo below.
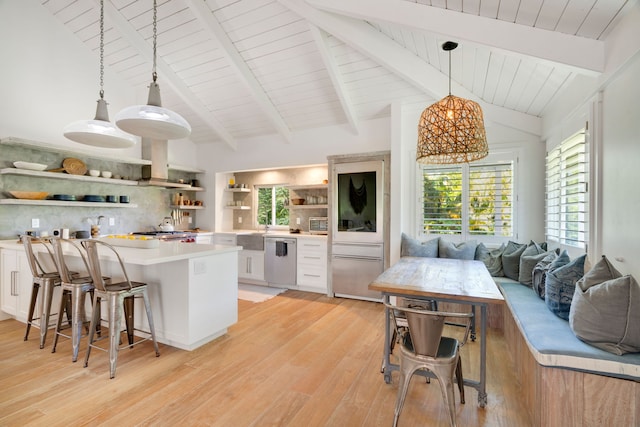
(114, 294)
(77, 288)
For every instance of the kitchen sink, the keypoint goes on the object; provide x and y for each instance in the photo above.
(251, 241)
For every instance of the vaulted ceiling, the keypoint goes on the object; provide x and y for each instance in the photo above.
(243, 68)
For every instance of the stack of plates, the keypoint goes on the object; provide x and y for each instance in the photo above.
(30, 166)
(93, 198)
(64, 197)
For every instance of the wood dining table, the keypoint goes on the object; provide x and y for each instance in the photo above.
(443, 280)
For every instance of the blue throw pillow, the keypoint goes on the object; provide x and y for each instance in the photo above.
(413, 247)
(539, 274)
(463, 250)
(560, 286)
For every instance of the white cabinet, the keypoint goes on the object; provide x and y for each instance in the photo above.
(227, 239)
(250, 266)
(15, 284)
(312, 264)
(204, 238)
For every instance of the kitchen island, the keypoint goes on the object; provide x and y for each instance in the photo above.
(193, 288)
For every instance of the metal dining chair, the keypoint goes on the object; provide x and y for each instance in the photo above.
(423, 347)
(115, 295)
(77, 288)
(43, 284)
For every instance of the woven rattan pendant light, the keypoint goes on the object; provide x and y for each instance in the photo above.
(451, 130)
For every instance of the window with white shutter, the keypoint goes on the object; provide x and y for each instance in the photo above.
(567, 201)
(469, 200)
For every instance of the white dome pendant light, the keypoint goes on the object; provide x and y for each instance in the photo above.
(99, 132)
(152, 120)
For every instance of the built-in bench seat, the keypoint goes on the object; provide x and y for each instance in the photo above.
(564, 381)
(553, 343)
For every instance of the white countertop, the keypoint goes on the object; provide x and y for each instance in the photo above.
(165, 252)
(274, 233)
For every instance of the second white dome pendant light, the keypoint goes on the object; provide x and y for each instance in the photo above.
(152, 120)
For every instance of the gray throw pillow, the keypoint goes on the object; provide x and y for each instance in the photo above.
(529, 258)
(511, 259)
(463, 250)
(414, 247)
(560, 286)
(606, 310)
(492, 258)
(561, 260)
(539, 273)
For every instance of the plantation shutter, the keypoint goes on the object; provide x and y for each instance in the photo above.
(491, 199)
(566, 192)
(442, 200)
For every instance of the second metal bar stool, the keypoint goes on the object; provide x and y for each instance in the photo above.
(43, 281)
(115, 295)
(77, 288)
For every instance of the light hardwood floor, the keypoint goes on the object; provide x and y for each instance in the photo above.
(299, 359)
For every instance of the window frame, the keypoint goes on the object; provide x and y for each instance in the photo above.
(273, 188)
(558, 234)
(495, 157)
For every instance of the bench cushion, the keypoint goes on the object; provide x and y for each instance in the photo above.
(552, 342)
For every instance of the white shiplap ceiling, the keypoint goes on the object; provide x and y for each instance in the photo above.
(243, 68)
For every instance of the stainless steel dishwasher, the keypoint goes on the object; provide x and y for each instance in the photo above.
(280, 261)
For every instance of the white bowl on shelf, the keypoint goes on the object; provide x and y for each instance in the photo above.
(94, 172)
(30, 166)
(106, 174)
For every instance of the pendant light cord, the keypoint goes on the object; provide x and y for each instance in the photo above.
(449, 72)
(155, 38)
(101, 49)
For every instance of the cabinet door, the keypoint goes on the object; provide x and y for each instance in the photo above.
(25, 284)
(204, 238)
(251, 265)
(8, 283)
(312, 264)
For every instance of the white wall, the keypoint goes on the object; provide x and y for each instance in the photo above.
(529, 175)
(309, 147)
(397, 134)
(611, 101)
(50, 79)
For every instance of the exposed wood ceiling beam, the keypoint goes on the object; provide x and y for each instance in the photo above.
(332, 68)
(386, 52)
(166, 74)
(209, 21)
(577, 54)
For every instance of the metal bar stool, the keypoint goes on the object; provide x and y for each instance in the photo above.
(47, 281)
(77, 288)
(114, 294)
